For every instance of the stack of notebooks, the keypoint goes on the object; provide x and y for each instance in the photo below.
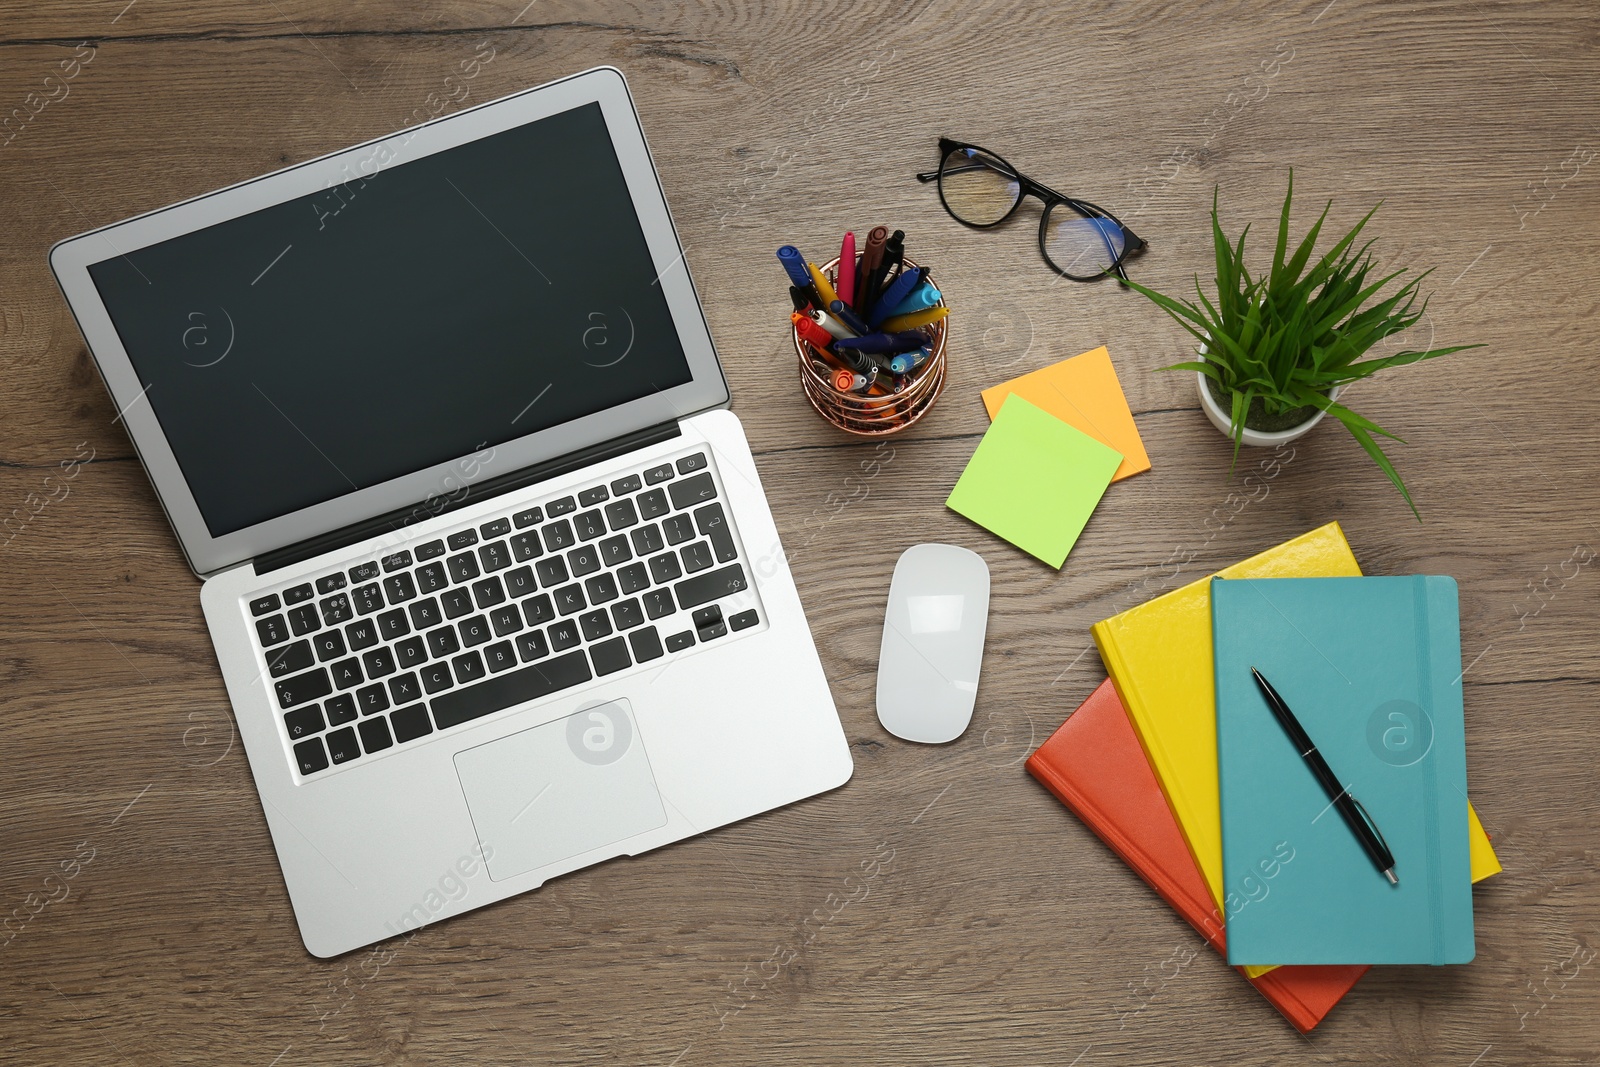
(1178, 764)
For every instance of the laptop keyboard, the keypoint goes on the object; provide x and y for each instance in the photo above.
(448, 630)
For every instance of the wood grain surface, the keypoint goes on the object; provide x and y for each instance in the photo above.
(1001, 931)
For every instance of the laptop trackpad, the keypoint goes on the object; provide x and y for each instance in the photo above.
(561, 789)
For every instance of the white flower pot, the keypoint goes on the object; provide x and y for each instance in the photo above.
(1219, 417)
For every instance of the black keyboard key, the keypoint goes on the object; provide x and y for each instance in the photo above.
(495, 528)
(692, 491)
(461, 539)
(362, 572)
(658, 602)
(538, 610)
(432, 578)
(565, 506)
(499, 656)
(299, 594)
(330, 582)
(456, 603)
(262, 605)
(488, 592)
(532, 645)
(272, 630)
(340, 709)
(412, 652)
(310, 756)
(469, 667)
(610, 657)
(329, 645)
(443, 641)
(372, 699)
(464, 567)
(614, 551)
(664, 568)
(342, 745)
(711, 585)
(506, 620)
(290, 659)
(656, 475)
(303, 722)
(303, 688)
(633, 577)
(646, 645)
(519, 583)
(404, 688)
(620, 516)
(696, 557)
(710, 521)
(368, 598)
(375, 735)
(744, 620)
(590, 525)
(524, 519)
(526, 546)
(474, 631)
(692, 463)
(347, 673)
(436, 677)
(431, 550)
(706, 617)
(400, 588)
(558, 535)
(361, 634)
(653, 505)
(512, 688)
(494, 557)
(678, 529)
(395, 561)
(392, 625)
(627, 614)
(569, 599)
(563, 635)
(425, 614)
(336, 609)
(602, 589)
(679, 642)
(628, 483)
(379, 662)
(552, 571)
(593, 496)
(713, 631)
(596, 624)
(584, 560)
(410, 723)
(647, 539)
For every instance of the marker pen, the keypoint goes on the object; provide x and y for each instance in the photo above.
(795, 264)
(906, 362)
(914, 320)
(836, 328)
(848, 317)
(810, 331)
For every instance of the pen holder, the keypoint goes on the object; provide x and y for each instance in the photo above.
(875, 413)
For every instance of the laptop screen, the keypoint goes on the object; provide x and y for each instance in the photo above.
(438, 307)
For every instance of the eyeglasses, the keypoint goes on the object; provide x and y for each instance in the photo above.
(1079, 240)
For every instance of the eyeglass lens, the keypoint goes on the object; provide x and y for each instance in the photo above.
(1081, 246)
(977, 188)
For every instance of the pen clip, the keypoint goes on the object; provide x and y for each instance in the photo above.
(1372, 825)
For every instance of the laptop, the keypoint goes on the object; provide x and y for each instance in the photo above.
(488, 567)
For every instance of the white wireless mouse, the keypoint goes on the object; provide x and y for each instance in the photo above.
(933, 643)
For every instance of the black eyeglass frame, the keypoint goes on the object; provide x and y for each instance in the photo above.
(1132, 243)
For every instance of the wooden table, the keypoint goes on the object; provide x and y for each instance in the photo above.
(1001, 932)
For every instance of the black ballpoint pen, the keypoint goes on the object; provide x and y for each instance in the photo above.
(1353, 811)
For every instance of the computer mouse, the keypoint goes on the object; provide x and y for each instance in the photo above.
(933, 643)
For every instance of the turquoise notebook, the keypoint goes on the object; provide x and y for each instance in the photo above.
(1372, 669)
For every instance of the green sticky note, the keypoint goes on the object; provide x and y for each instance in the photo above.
(1034, 480)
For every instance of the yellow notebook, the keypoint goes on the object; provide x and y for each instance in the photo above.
(1159, 657)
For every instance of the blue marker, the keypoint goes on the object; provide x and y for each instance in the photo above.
(922, 297)
(842, 312)
(795, 264)
(907, 362)
(883, 344)
(901, 288)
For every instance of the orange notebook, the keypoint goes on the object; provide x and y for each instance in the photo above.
(1094, 765)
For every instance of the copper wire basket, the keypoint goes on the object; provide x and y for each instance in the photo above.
(868, 414)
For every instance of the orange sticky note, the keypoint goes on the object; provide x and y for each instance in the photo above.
(1084, 393)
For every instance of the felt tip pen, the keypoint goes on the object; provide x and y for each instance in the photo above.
(914, 320)
(883, 344)
(834, 327)
(801, 298)
(894, 254)
(847, 268)
(907, 362)
(810, 331)
(871, 258)
(819, 282)
(892, 296)
(848, 317)
(795, 265)
(851, 382)
(923, 296)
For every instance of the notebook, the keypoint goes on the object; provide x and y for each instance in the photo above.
(1371, 668)
(1093, 764)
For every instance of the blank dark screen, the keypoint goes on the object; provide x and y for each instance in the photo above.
(383, 326)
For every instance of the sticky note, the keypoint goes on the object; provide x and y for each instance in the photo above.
(1034, 480)
(1084, 392)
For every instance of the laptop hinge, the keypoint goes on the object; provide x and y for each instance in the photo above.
(403, 517)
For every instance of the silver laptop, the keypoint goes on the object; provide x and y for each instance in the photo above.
(488, 567)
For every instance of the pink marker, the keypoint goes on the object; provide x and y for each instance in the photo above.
(846, 286)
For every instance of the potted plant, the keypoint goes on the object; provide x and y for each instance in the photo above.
(1277, 349)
